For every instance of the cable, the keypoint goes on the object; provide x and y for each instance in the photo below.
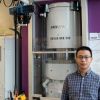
(0, 1)
(12, 2)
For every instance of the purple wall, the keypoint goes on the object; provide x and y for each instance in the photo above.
(24, 33)
(94, 15)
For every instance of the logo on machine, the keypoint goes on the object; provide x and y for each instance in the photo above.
(57, 26)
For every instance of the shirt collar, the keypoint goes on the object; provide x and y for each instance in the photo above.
(87, 73)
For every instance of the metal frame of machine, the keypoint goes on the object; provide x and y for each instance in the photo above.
(31, 53)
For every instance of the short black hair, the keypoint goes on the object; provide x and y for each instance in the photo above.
(84, 48)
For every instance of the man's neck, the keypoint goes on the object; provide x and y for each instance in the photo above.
(84, 72)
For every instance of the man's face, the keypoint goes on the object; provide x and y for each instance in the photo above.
(83, 59)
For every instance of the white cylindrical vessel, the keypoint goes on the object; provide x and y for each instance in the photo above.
(62, 26)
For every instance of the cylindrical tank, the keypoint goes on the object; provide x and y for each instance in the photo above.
(53, 84)
(63, 26)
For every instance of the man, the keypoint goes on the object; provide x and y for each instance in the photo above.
(83, 84)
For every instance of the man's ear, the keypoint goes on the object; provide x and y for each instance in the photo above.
(91, 58)
(75, 57)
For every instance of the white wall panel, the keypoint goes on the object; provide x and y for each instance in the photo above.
(7, 66)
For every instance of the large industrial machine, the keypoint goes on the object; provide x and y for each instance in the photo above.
(56, 33)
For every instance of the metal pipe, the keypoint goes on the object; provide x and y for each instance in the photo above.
(18, 64)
